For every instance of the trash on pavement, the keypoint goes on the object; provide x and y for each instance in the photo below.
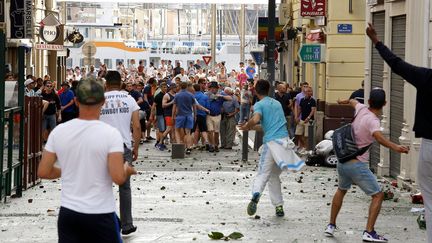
(417, 198)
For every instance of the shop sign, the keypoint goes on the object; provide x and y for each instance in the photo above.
(21, 17)
(313, 8)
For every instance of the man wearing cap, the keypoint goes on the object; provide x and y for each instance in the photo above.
(421, 79)
(29, 88)
(87, 212)
(215, 103)
(120, 111)
(366, 130)
(68, 109)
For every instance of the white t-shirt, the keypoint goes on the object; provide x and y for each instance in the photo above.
(82, 149)
(183, 78)
(117, 112)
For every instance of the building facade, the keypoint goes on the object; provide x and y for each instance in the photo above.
(342, 71)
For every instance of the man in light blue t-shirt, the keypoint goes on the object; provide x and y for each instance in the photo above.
(269, 113)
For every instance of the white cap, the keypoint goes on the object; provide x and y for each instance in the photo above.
(28, 81)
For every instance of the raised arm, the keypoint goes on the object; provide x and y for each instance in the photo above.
(420, 77)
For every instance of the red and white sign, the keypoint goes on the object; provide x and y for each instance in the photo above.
(207, 59)
(313, 8)
(51, 47)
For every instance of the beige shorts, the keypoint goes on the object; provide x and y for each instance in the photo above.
(302, 129)
(213, 123)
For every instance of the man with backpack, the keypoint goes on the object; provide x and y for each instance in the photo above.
(365, 129)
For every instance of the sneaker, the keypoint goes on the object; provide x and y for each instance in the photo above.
(129, 231)
(150, 138)
(207, 147)
(252, 206)
(216, 149)
(211, 149)
(373, 237)
(188, 151)
(329, 232)
(162, 147)
(156, 145)
(279, 211)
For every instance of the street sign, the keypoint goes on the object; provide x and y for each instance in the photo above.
(89, 60)
(207, 59)
(313, 8)
(258, 57)
(345, 28)
(88, 49)
(312, 53)
(51, 47)
(21, 17)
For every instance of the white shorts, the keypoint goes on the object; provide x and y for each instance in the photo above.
(302, 129)
(213, 123)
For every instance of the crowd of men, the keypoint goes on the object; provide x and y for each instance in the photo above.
(188, 105)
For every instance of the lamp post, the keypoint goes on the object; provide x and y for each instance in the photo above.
(271, 44)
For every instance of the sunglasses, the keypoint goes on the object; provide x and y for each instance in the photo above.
(49, 86)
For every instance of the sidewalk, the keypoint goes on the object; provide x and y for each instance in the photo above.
(184, 200)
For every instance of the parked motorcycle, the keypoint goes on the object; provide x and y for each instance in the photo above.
(323, 153)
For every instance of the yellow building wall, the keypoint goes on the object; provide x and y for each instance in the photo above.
(345, 53)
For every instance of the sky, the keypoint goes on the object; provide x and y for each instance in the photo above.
(178, 1)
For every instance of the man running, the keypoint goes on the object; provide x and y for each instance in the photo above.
(277, 153)
(119, 111)
(87, 212)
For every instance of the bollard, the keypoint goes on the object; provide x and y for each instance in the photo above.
(245, 146)
(311, 135)
(178, 151)
(258, 140)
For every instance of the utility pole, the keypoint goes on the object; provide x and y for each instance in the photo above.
(242, 33)
(271, 44)
(245, 137)
(213, 36)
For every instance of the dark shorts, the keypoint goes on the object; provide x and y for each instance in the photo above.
(201, 123)
(160, 121)
(79, 227)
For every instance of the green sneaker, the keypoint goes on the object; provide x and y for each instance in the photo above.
(279, 211)
(252, 207)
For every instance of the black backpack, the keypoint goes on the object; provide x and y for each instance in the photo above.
(344, 144)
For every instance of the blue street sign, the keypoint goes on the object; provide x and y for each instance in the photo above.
(257, 56)
(344, 28)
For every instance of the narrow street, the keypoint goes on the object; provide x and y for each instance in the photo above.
(184, 200)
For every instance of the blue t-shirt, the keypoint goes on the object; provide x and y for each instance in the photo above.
(215, 103)
(65, 98)
(184, 101)
(203, 101)
(250, 71)
(272, 119)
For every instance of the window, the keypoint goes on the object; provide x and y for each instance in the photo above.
(108, 63)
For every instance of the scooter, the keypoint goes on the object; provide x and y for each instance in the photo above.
(323, 153)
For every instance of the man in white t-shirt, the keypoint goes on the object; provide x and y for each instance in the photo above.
(119, 111)
(90, 158)
(183, 77)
